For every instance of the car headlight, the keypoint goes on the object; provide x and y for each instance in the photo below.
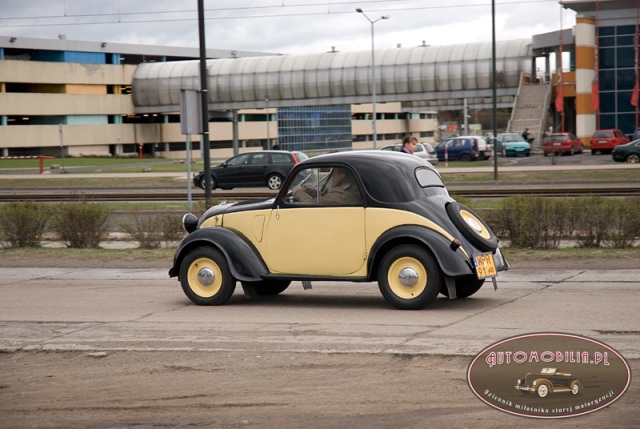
(189, 222)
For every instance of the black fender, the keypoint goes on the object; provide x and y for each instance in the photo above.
(244, 261)
(452, 262)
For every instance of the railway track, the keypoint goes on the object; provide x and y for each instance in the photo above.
(197, 195)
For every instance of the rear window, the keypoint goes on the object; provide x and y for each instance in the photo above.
(428, 178)
(602, 134)
(281, 158)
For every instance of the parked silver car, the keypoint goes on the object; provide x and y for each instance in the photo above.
(423, 150)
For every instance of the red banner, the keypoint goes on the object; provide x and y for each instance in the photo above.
(595, 96)
(634, 95)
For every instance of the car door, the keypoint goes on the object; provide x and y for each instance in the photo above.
(257, 170)
(314, 239)
(232, 171)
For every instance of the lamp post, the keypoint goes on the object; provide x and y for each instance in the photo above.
(373, 75)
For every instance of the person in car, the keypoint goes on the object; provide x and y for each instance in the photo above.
(409, 144)
(341, 188)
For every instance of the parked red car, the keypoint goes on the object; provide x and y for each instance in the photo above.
(560, 143)
(605, 140)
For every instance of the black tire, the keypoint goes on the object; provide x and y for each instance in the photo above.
(205, 277)
(409, 277)
(465, 286)
(633, 159)
(269, 287)
(465, 157)
(201, 183)
(274, 181)
(472, 226)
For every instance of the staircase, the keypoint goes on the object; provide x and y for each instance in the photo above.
(530, 110)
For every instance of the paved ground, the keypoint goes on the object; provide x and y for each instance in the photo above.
(123, 348)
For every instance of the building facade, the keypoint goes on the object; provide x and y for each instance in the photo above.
(75, 98)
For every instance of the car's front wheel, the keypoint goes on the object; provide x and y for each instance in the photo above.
(274, 182)
(543, 389)
(409, 277)
(201, 183)
(205, 277)
(575, 387)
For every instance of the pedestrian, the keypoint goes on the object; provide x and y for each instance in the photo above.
(526, 135)
(409, 144)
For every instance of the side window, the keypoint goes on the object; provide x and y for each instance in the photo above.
(280, 158)
(326, 186)
(259, 159)
(239, 160)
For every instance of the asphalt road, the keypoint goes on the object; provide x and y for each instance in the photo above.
(104, 348)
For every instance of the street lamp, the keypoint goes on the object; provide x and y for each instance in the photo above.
(373, 74)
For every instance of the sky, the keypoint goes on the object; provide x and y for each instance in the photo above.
(283, 26)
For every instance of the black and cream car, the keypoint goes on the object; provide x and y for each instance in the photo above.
(397, 226)
(549, 380)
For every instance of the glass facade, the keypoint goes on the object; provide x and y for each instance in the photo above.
(314, 128)
(616, 62)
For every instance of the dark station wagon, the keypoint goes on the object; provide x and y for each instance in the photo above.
(353, 216)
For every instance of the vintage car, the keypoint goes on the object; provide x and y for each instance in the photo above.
(352, 216)
(549, 380)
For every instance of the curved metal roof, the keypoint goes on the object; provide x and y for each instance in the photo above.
(402, 74)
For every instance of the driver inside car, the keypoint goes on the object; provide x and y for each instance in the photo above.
(341, 188)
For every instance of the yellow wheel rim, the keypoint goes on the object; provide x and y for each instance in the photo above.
(204, 277)
(407, 278)
(475, 224)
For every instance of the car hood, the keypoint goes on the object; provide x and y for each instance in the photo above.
(224, 207)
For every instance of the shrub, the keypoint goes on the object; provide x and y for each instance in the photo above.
(23, 224)
(81, 225)
(151, 229)
(624, 225)
(590, 218)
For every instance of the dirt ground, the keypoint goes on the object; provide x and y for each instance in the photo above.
(271, 390)
(286, 390)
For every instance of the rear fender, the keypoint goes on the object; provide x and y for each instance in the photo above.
(244, 261)
(453, 263)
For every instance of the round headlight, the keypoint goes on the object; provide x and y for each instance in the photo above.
(189, 222)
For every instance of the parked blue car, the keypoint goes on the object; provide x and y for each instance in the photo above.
(458, 149)
(513, 144)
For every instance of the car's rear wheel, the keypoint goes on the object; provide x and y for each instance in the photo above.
(465, 157)
(465, 286)
(409, 277)
(472, 226)
(575, 387)
(268, 287)
(633, 159)
(274, 181)
(205, 277)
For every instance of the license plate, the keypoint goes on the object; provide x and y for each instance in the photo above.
(485, 265)
(519, 150)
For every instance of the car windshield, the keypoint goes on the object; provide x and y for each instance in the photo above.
(512, 137)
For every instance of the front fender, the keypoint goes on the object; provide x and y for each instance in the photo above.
(244, 261)
(452, 262)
